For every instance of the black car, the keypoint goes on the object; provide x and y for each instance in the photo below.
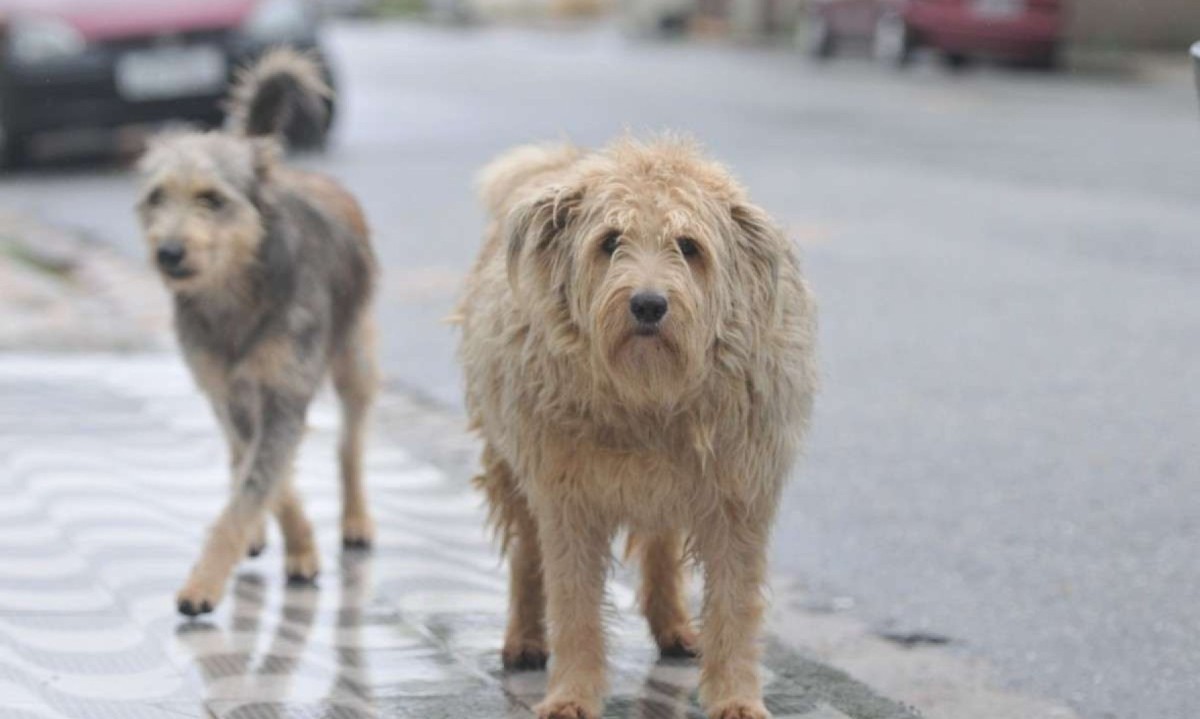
(103, 64)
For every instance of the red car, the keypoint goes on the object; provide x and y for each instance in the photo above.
(102, 64)
(1024, 31)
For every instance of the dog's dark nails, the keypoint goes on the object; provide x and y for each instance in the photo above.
(678, 649)
(530, 660)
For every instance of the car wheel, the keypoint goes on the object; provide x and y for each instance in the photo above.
(672, 25)
(309, 131)
(14, 151)
(893, 41)
(816, 36)
(1047, 61)
(306, 132)
(956, 60)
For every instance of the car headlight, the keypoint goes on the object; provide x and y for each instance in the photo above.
(34, 40)
(278, 21)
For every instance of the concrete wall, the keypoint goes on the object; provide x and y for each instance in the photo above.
(537, 8)
(1113, 23)
(1135, 23)
(1164, 24)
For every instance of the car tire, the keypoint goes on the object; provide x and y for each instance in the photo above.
(1048, 61)
(956, 61)
(309, 131)
(817, 38)
(893, 42)
(14, 152)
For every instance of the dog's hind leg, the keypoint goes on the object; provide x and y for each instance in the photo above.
(662, 593)
(279, 426)
(355, 377)
(301, 559)
(525, 637)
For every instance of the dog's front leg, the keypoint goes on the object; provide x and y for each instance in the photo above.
(575, 558)
(236, 409)
(733, 552)
(279, 421)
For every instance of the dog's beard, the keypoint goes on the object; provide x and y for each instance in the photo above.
(648, 368)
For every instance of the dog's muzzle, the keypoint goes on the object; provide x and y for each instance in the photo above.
(170, 258)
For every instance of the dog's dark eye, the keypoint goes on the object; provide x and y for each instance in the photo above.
(210, 199)
(611, 242)
(155, 198)
(687, 246)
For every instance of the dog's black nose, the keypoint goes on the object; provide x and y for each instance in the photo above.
(171, 255)
(648, 307)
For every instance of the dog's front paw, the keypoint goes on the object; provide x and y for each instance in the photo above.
(681, 643)
(358, 532)
(302, 567)
(566, 709)
(524, 656)
(198, 597)
(740, 709)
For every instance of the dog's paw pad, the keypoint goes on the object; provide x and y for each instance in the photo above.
(302, 568)
(741, 710)
(682, 644)
(188, 608)
(193, 600)
(526, 658)
(357, 532)
(564, 710)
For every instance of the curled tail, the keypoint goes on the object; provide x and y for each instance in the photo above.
(285, 85)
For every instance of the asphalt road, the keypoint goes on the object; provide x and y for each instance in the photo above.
(1005, 447)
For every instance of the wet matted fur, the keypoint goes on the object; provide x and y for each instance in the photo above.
(680, 426)
(272, 275)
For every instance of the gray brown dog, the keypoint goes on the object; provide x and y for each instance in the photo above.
(638, 343)
(272, 275)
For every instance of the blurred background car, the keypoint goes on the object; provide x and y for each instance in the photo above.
(104, 64)
(1196, 64)
(1028, 32)
(656, 17)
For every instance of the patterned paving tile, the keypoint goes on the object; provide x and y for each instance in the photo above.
(110, 469)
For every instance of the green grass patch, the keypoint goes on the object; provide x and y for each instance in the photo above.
(16, 252)
(400, 8)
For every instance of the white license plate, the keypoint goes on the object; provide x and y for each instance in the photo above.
(170, 72)
(999, 8)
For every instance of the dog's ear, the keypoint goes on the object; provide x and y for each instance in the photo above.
(759, 247)
(534, 226)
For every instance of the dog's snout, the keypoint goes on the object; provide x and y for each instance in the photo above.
(648, 307)
(170, 255)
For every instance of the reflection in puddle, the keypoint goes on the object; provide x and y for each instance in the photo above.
(241, 664)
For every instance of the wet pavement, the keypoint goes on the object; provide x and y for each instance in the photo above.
(110, 469)
(1003, 452)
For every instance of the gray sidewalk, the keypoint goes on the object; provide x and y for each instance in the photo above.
(110, 468)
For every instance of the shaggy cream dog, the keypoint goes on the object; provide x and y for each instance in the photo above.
(638, 347)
